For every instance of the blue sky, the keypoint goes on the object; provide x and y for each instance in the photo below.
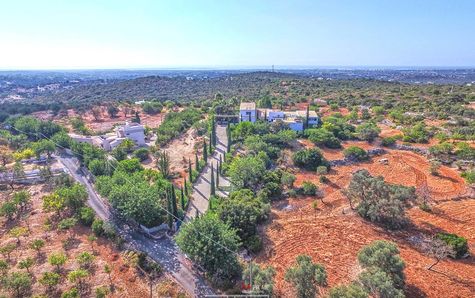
(65, 34)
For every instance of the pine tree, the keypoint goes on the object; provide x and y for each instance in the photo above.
(190, 171)
(205, 151)
(183, 199)
(197, 163)
(213, 187)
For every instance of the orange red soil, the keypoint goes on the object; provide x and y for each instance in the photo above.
(333, 234)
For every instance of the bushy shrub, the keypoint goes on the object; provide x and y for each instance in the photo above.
(389, 141)
(98, 227)
(379, 201)
(416, 134)
(86, 216)
(309, 159)
(309, 188)
(458, 244)
(469, 176)
(323, 137)
(355, 153)
(142, 154)
(322, 170)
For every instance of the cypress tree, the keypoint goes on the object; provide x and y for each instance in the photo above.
(213, 187)
(136, 118)
(197, 163)
(173, 201)
(205, 151)
(211, 143)
(169, 211)
(190, 171)
(306, 117)
(185, 186)
(228, 148)
(220, 163)
(217, 175)
(182, 199)
(213, 131)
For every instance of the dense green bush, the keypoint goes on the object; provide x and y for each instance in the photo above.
(309, 159)
(309, 188)
(379, 201)
(416, 134)
(458, 244)
(98, 227)
(86, 216)
(323, 137)
(355, 153)
(389, 141)
(152, 107)
(142, 154)
(469, 176)
(368, 131)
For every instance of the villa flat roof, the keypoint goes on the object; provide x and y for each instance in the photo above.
(247, 106)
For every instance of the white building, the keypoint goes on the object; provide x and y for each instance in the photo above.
(247, 111)
(131, 131)
(294, 119)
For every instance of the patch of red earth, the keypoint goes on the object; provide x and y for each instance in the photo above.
(327, 111)
(333, 235)
(387, 131)
(126, 280)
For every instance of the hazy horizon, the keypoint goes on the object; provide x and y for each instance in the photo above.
(207, 34)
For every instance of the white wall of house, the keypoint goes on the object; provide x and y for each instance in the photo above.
(247, 115)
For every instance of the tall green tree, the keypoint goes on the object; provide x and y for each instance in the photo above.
(211, 143)
(213, 132)
(217, 175)
(212, 245)
(383, 255)
(205, 151)
(197, 163)
(173, 201)
(212, 181)
(230, 141)
(262, 279)
(306, 276)
(307, 112)
(182, 198)
(190, 171)
(169, 211)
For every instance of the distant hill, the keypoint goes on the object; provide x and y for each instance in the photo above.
(249, 85)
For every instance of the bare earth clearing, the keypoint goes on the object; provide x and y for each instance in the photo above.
(334, 234)
(104, 122)
(127, 282)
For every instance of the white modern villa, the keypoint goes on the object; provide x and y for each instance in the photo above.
(131, 131)
(294, 119)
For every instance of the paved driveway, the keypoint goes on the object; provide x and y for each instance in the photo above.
(163, 251)
(202, 187)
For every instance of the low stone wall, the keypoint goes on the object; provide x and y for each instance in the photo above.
(418, 150)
